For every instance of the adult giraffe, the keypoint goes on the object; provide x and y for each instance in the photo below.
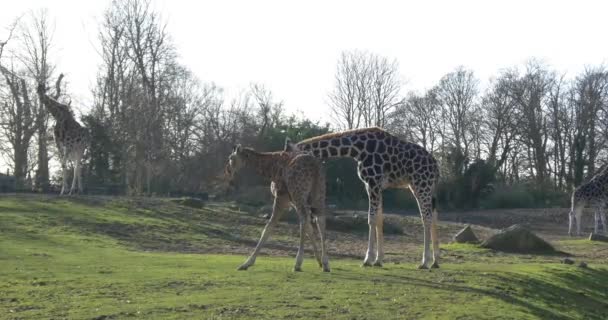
(385, 161)
(71, 138)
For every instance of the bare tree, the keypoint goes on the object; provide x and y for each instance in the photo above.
(366, 90)
(36, 35)
(530, 92)
(17, 124)
(417, 118)
(456, 93)
(499, 122)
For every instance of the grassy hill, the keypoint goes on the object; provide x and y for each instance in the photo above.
(117, 258)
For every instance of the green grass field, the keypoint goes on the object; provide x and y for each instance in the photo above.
(104, 258)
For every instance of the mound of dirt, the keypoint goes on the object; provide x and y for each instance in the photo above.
(518, 239)
(466, 235)
(350, 223)
(598, 237)
(190, 202)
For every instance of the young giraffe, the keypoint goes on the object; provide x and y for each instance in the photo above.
(594, 193)
(70, 137)
(384, 161)
(298, 179)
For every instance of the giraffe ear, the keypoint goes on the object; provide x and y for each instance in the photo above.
(237, 148)
(287, 146)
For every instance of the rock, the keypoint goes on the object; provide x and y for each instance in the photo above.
(518, 239)
(567, 261)
(583, 264)
(466, 235)
(598, 237)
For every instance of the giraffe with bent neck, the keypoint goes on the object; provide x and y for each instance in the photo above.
(71, 138)
(296, 179)
(385, 161)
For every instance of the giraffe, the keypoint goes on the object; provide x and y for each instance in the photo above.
(296, 179)
(385, 161)
(594, 193)
(70, 137)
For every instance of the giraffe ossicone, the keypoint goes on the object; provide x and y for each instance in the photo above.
(384, 161)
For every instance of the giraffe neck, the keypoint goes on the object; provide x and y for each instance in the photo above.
(269, 165)
(354, 144)
(60, 112)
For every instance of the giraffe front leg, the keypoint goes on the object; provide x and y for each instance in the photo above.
(379, 236)
(570, 222)
(603, 218)
(300, 255)
(280, 203)
(321, 228)
(369, 255)
(73, 189)
(311, 235)
(64, 173)
(374, 202)
(427, 250)
(435, 239)
(579, 215)
(596, 220)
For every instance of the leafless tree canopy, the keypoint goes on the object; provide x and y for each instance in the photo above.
(366, 91)
(157, 128)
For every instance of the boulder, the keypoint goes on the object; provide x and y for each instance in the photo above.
(466, 235)
(518, 239)
(598, 237)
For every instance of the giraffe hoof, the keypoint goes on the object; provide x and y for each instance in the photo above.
(435, 265)
(242, 268)
(366, 264)
(378, 264)
(423, 266)
(297, 269)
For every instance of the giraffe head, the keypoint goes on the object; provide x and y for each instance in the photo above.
(290, 146)
(236, 161)
(59, 111)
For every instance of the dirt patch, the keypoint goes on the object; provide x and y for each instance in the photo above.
(518, 239)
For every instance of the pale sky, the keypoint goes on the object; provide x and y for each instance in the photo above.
(292, 47)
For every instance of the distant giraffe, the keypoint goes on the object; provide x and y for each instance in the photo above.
(70, 137)
(385, 161)
(298, 179)
(593, 193)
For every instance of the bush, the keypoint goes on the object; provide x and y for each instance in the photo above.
(508, 197)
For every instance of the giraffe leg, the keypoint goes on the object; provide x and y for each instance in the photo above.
(571, 222)
(579, 215)
(603, 218)
(79, 173)
(321, 229)
(308, 229)
(425, 207)
(300, 254)
(435, 239)
(596, 220)
(371, 220)
(280, 204)
(64, 173)
(379, 235)
(75, 178)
